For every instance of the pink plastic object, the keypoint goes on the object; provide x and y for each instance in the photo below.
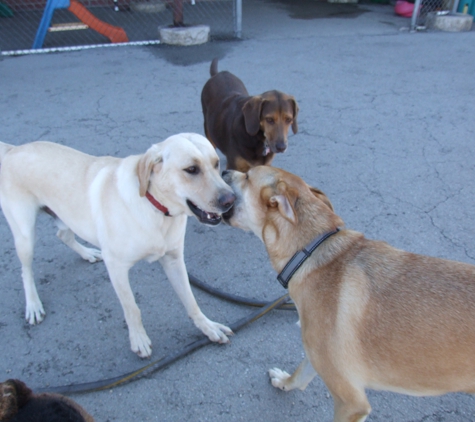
(404, 8)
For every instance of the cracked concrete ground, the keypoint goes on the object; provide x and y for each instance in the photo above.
(387, 130)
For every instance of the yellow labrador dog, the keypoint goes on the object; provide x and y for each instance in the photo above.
(133, 208)
(372, 316)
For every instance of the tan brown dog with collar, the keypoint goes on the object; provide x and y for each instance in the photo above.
(248, 130)
(372, 316)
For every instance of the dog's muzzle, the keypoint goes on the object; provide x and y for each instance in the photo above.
(204, 217)
(228, 215)
(226, 200)
(227, 177)
(280, 146)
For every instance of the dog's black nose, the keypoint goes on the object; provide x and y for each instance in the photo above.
(226, 200)
(280, 146)
(224, 173)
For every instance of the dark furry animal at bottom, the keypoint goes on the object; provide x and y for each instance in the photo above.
(248, 130)
(19, 404)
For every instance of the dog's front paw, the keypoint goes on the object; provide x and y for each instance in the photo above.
(92, 255)
(34, 313)
(278, 378)
(214, 331)
(141, 344)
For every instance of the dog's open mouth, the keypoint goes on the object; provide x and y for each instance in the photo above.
(204, 217)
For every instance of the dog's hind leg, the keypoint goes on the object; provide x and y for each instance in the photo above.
(21, 217)
(350, 401)
(299, 379)
(68, 237)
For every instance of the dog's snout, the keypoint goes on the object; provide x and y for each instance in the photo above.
(227, 176)
(226, 200)
(280, 146)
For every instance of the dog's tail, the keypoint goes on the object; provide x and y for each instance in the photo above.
(213, 70)
(4, 148)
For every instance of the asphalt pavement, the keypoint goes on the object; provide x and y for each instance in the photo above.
(386, 129)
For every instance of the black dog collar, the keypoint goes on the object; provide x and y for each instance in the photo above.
(299, 258)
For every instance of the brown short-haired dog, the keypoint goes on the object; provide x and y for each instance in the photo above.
(372, 316)
(19, 404)
(248, 130)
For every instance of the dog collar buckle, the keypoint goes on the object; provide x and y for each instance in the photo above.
(299, 258)
(157, 204)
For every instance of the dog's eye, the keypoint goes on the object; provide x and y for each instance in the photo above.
(192, 170)
(216, 166)
(288, 120)
(270, 120)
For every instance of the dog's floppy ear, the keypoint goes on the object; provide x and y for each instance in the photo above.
(150, 161)
(8, 402)
(14, 394)
(252, 114)
(295, 107)
(320, 195)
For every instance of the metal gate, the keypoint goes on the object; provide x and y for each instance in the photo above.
(28, 26)
(423, 7)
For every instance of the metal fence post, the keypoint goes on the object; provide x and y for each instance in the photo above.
(238, 18)
(415, 14)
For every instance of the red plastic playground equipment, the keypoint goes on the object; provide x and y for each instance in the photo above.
(404, 8)
(114, 33)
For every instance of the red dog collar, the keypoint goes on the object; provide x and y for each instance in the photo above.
(157, 204)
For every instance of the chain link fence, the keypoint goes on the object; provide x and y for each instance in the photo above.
(58, 24)
(423, 7)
